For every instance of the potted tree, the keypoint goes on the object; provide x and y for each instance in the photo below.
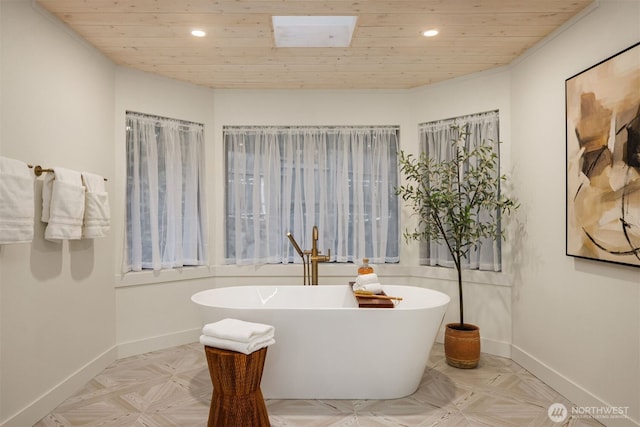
(457, 202)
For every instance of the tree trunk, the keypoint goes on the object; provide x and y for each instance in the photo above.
(460, 295)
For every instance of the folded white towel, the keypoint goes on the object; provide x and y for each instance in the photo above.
(16, 201)
(368, 282)
(93, 183)
(97, 217)
(241, 347)
(63, 204)
(238, 330)
(62, 175)
(47, 189)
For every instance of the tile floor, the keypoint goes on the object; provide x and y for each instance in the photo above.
(172, 388)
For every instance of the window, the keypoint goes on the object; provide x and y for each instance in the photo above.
(288, 179)
(435, 140)
(166, 218)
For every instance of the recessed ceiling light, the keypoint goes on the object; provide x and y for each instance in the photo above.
(430, 33)
(313, 31)
(198, 33)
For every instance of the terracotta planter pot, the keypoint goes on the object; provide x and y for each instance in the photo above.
(462, 346)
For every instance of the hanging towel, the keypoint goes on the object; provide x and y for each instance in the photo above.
(16, 202)
(97, 218)
(237, 330)
(63, 204)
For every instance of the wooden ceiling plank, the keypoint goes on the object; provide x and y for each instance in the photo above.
(230, 31)
(310, 60)
(370, 20)
(313, 7)
(387, 50)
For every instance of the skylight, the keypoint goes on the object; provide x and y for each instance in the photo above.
(313, 31)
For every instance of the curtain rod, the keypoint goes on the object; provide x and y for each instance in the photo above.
(152, 116)
(310, 126)
(466, 116)
(364, 127)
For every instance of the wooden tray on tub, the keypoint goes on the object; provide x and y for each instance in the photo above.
(369, 302)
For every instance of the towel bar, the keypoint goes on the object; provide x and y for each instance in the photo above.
(39, 170)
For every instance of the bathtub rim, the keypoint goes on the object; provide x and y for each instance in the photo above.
(443, 298)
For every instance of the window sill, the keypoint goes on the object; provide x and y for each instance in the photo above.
(150, 277)
(295, 270)
(493, 278)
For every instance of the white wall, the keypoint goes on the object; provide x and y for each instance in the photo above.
(57, 315)
(576, 323)
(58, 302)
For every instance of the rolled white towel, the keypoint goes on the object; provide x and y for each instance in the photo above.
(241, 347)
(367, 279)
(376, 288)
(368, 282)
(238, 330)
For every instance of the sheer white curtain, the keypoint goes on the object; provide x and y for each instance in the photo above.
(166, 217)
(435, 140)
(288, 179)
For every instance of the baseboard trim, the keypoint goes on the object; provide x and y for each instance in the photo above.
(569, 389)
(159, 342)
(496, 348)
(43, 405)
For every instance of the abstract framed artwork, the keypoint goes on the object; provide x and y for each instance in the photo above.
(603, 160)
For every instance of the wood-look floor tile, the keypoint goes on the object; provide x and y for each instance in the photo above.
(172, 387)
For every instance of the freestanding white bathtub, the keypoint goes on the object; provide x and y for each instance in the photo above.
(329, 348)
